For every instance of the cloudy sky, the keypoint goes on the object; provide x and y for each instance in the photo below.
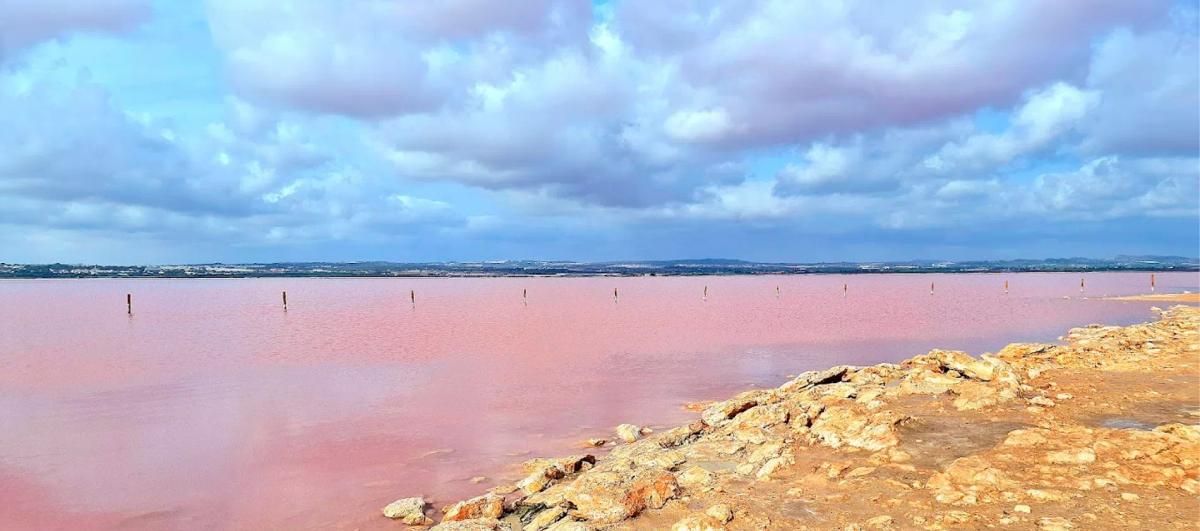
(138, 131)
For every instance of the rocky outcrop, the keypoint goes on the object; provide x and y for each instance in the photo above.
(940, 440)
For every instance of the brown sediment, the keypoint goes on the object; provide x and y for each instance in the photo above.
(1101, 432)
(1161, 297)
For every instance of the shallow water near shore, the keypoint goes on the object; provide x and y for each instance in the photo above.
(212, 408)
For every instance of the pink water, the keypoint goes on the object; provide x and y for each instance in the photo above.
(212, 408)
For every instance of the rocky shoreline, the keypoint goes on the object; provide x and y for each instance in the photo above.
(1101, 432)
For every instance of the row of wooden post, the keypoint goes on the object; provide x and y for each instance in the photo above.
(412, 294)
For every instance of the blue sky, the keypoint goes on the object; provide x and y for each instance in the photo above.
(135, 131)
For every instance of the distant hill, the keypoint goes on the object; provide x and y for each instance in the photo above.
(506, 268)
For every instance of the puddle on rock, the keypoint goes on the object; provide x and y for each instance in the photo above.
(1120, 423)
(1147, 416)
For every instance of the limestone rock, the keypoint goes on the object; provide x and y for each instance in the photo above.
(773, 465)
(545, 519)
(1047, 495)
(629, 433)
(486, 506)
(968, 481)
(765, 452)
(410, 511)
(681, 435)
(1186, 432)
(1054, 523)
(721, 512)
(551, 497)
(750, 434)
(666, 459)
(575, 463)
(1079, 456)
(1025, 438)
(847, 425)
(695, 476)
(814, 378)
(764, 416)
(882, 521)
(1041, 401)
(698, 522)
(975, 395)
(720, 413)
(964, 364)
(537, 481)
(1021, 351)
(477, 524)
(608, 496)
(570, 525)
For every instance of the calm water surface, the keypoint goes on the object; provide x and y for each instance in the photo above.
(212, 408)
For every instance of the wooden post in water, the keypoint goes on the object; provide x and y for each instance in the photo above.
(412, 296)
(129, 304)
(525, 296)
(285, 300)
(1151, 281)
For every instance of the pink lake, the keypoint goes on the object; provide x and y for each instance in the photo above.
(212, 408)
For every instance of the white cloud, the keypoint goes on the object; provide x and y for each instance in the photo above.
(1044, 117)
(1151, 89)
(75, 161)
(706, 125)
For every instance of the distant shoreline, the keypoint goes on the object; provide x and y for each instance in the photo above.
(581, 275)
(552, 269)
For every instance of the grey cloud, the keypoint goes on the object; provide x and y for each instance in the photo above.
(795, 71)
(651, 102)
(24, 23)
(554, 20)
(865, 164)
